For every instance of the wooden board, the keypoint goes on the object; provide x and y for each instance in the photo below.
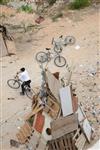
(54, 84)
(64, 125)
(66, 101)
(24, 132)
(80, 142)
(52, 107)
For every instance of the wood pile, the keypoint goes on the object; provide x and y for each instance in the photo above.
(69, 126)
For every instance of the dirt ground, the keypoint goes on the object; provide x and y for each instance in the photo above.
(84, 25)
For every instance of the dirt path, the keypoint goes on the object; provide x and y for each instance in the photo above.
(85, 27)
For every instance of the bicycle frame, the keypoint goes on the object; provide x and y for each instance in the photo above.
(52, 55)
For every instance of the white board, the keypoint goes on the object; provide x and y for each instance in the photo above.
(81, 114)
(66, 101)
(87, 129)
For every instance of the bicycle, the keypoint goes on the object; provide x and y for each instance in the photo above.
(16, 83)
(43, 57)
(62, 41)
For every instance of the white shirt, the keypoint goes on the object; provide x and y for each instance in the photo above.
(23, 76)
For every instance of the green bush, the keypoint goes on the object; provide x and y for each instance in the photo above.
(3, 1)
(51, 2)
(26, 8)
(77, 4)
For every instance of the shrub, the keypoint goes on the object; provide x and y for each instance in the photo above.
(26, 8)
(51, 2)
(77, 4)
(3, 1)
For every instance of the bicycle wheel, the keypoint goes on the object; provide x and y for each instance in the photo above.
(14, 84)
(41, 57)
(70, 40)
(60, 61)
(30, 93)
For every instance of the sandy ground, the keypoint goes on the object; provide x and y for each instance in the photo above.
(84, 26)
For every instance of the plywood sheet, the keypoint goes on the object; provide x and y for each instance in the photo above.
(53, 83)
(66, 101)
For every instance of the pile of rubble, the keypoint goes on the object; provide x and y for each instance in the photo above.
(57, 120)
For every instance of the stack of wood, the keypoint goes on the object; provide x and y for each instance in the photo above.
(69, 126)
(71, 129)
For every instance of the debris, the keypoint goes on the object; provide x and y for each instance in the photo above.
(77, 47)
(39, 19)
(11, 98)
(14, 143)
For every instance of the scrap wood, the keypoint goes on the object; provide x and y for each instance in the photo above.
(52, 96)
(38, 122)
(24, 133)
(74, 103)
(39, 19)
(14, 143)
(79, 139)
(54, 111)
(64, 125)
(80, 142)
(54, 88)
(34, 111)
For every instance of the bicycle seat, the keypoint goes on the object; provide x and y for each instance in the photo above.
(48, 49)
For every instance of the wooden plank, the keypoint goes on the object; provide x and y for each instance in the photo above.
(80, 142)
(65, 142)
(54, 88)
(76, 134)
(21, 138)
(57, 146)
(69, 142)
(66, 101)
(73, 142)
(64, 125)
(61, 143)
(53, 145)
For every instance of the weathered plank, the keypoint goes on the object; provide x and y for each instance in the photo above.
(64, 125)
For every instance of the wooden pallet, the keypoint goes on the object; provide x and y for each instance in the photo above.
(63, 143)
(79, 139)
(24, 132)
